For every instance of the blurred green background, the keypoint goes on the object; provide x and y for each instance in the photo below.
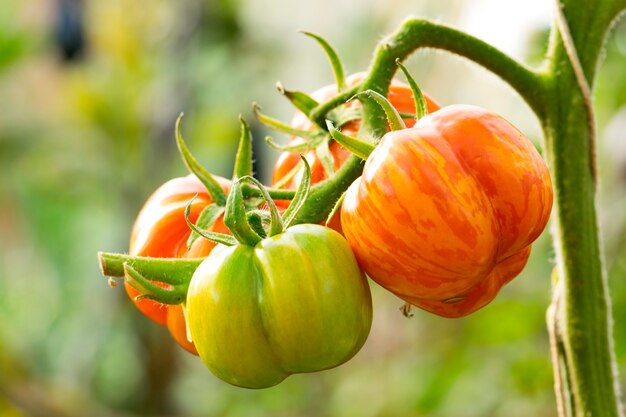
(89, 92)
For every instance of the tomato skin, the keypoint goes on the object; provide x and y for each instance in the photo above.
(161, 231)
(177, 327)
(444, 213)
(400, 95)
(297, 302)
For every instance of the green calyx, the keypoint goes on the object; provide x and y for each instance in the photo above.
(212, 212)
(236, 217)
(290, 215)
(336, 209)
(316, 140)
(305, 103)
(249, 228)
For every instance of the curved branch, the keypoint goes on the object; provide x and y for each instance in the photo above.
(419, 33)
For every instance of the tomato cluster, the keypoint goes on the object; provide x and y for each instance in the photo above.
(443, 215)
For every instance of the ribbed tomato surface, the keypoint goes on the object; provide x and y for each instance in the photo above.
(445, 212)
(296, 302)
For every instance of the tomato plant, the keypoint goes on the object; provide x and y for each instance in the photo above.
(443, 215)
(445, 212)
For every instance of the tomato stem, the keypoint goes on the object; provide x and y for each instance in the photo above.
(324, 194)
(579, 318)
(167, 270)
(275, 193)
(318, 114)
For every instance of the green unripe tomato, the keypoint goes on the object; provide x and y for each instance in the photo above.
(296, 302)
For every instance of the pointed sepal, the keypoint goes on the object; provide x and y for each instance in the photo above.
(206, 219)
(300, 147)
(243, 158)
(421, 109)
(358, 147)
(336, 209)
(213, 187)
(334, 59)
(301, 195)
(222, 238)
(323, 154)
(300, 100)
(393, 117)
(284, 128)
(172, 294)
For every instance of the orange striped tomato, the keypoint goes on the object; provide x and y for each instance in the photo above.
(400, 96)
(445, 212)
(161, 231)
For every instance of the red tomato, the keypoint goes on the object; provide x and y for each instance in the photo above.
(400, 96)
(445, 212)
(160, 231)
